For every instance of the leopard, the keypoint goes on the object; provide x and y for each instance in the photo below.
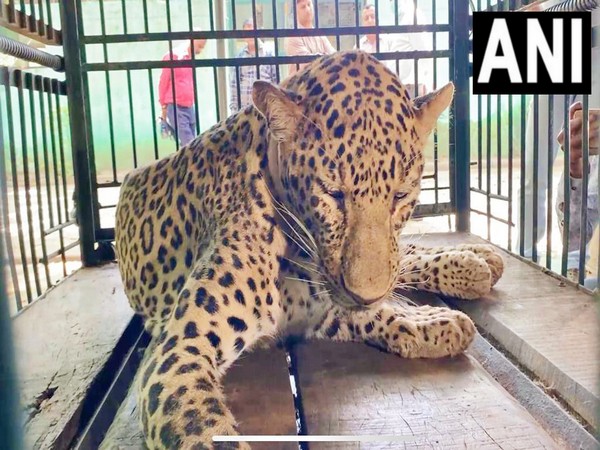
(284, 220)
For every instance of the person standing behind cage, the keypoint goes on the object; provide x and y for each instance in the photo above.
(247, 74)
(306, 45)
(176, 93)
(368, 42)
(577, 191)
(550, 117)
(403, 42)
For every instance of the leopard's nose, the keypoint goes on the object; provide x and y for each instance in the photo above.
(360, 299)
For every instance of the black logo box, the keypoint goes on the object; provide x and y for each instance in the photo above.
(516, 22)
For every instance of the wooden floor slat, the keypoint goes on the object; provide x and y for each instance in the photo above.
(352, 389)
(61, 344)
(550, 327)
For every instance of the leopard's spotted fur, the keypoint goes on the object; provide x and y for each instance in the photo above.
(285, 219)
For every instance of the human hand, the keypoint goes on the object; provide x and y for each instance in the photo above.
(576, 137)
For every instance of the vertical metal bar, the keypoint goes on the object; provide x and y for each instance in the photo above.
(129, 94)
(510, 170)
(150, 84)
(357, 21)
(194, 76)
(523, 175)
(436, 183)
(79, 138)
(27, 81)
(61, 149)
(37, 84)
(461, 146)
(498, 145)
(566, 188)
(479, 133)
(488, 165)
(479, 143)
(41, 14)
(275, 40)
(175, 111)
(337, 25)
(49, 12)
(220, 74)
(53, 140)
(10, 425)
(210, 15)
(233, 15)
(132, 119)
(32, 15)
(295, 14)
(238, 88)
(583, 235)
(4, 193)
(15, 185)
(47, 89)
(45, 142)
(549, 179)
(377, 25)
(598, 255)
(111, 130)
(255, 27)
(536, 153)
(151, 109)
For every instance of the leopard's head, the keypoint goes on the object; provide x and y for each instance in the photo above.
(345, 156)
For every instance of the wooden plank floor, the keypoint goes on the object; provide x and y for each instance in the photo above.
(61, 343)
(351, 389)
(549, 327)
(64, 340)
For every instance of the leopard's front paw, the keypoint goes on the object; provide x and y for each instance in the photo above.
(463, 275)
(492, 257)
(436, 333)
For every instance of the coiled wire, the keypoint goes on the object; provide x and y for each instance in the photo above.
(19, 50)
(575, 5)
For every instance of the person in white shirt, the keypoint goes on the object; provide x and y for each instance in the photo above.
(306, 45)
(405, 42)
(368, 42)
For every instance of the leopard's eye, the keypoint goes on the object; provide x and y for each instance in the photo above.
(399, 196)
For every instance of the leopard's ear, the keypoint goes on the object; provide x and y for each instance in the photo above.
(279, 107)
(429, 107)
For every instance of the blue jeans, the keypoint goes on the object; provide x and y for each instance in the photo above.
(185, 125)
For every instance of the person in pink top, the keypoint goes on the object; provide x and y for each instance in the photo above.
(176, 92)
(306, 45)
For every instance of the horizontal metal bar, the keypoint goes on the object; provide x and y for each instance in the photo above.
(436, 209)
(263, 33)
(19, 78)
(59, 252)
(491, 216)
(491, 195)
(59, 227)
(19, 22)
(19, 50)
(110, 184)
(239, 62)
(438, 188)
